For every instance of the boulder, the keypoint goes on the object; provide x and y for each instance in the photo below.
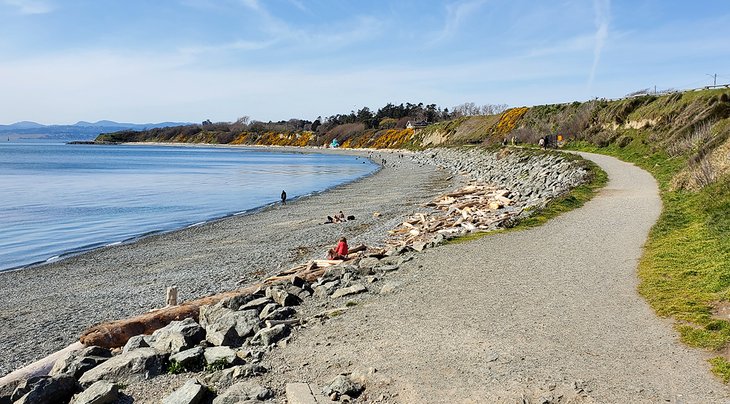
(75, 363)
(138, 341)
(368, 264)
(101, 392)
(232, 327)
(389, 287)
(342, 385)
(45, 389)
(369, 376)
(267, 310)
(177, 336)
(281, 313)
(326, 289)
(256, 304)
(270, 335)
(191, 392)
(282, 297)
(129, 367)
(222, 356)
(303, 393)
(243, 391)
(351, 290)
(226, 377)
(190, 359)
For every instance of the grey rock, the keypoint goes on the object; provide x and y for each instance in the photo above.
(237, 302)
(232, 327)
(190, 359)
(369, 263)
(226, 377)
(282, 297)
(333, 273)
(351, 290)
(267, 310)
(419, 246)
(76, 363)
(270, 335)
(47, 389)
(243, 391)
(177, 336)
(129, 367)
(138, 341)
(342, 385)
(389, 287)
(256, 304)
(101, 392)
(191, 392)
(326, 289)
(221, 355)
(281, 313)
(387, 268)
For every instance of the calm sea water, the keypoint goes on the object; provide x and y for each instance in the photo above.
(58, 199)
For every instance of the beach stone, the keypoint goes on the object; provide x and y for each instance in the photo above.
(281, 313)
(138, 341)
(222, 355)
(75, 363)
(342, 385)
(45, 389)
(351, 290)
(326, 289)
(369, 376)
(232, 327)
(368, 263)
(270, 335)
(389, 287)
(268, 309)
(191, 392)
(140, 364)
(387, 268)
(243, 391)
(226, 377)
(303, 393)
(101, 392)
(282, 297)
(190, 359)
(419, 246)
(237, 302)
(333, 273)
(177, 336)
(256, 304)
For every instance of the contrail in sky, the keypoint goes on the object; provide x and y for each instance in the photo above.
(602, 9)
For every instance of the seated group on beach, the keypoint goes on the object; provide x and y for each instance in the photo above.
(339, 218)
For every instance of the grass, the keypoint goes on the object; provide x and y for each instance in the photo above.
(685, 269)
(574, 199)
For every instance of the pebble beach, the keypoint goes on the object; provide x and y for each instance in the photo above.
(45, 308)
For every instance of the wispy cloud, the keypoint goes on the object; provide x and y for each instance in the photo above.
(455, 15)
(29, 6)
(602, 9)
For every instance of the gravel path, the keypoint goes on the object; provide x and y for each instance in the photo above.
(45, 308)
(538, 314)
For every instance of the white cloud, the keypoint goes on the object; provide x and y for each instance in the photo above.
(602, 10)
(455, 15)
(29, 6)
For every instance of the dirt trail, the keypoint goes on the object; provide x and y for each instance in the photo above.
(536, 314)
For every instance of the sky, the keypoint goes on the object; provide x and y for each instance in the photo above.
(143, 61)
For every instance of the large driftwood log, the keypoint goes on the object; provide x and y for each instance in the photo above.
(115, 334)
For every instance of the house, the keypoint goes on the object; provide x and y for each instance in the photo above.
(416, 125)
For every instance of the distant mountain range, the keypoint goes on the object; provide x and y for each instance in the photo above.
(81, 130)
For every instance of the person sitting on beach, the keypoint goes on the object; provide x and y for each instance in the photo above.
(339, 252)
(329, 220)
(340, 217)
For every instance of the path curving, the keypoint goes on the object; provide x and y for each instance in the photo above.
(530, 314)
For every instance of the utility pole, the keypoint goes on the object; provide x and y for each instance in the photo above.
(714, 78)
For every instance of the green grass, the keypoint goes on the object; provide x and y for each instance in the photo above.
(572, 200)
(721, 367)
(685, 268)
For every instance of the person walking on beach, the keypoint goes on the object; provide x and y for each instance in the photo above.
(283, 197)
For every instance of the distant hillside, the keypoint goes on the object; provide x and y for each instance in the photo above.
(79, 131)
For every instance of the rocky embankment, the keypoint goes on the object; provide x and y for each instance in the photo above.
(217, 353)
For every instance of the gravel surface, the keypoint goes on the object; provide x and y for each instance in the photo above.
(45, 308)
(549, 314)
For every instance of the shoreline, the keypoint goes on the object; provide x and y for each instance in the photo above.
(63, 255)
(49, 304)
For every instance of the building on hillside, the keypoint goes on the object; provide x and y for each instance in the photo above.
(416, 124)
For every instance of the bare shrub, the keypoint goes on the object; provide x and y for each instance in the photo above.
(704, 172)
(693, 142)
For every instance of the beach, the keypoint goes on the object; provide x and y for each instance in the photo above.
(45, 308)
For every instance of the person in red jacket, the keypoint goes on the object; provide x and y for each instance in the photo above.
(339, 252)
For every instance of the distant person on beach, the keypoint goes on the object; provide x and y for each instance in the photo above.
(541, 142)
(339, 252)
(283, 197)
(340, 217)
(329, 220)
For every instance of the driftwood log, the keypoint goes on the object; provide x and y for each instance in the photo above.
(115, 334)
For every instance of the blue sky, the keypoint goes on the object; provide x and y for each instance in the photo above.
(188, 60)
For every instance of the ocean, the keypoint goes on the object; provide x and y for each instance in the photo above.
(58, 199)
